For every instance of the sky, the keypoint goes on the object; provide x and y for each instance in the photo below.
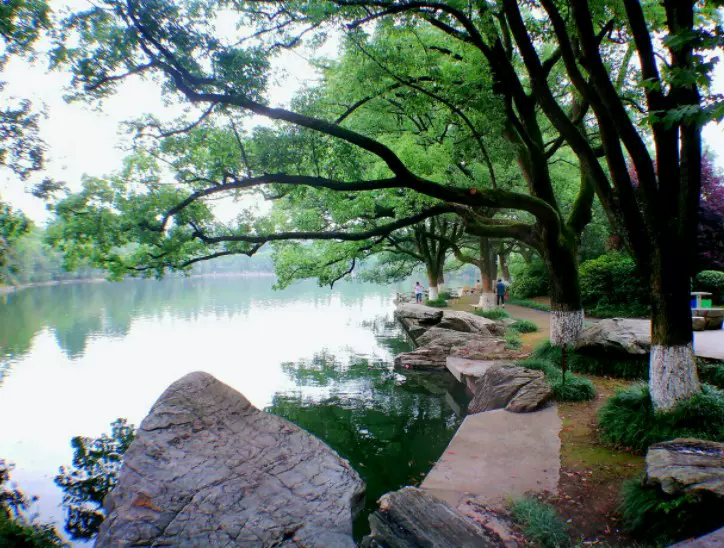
(82, 140)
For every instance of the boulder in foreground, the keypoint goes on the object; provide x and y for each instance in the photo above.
(209, 469)
(509, 387)
(616, 337)
(687, 465)
(411, 517)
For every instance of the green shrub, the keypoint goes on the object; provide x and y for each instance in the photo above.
(530, 304)
(611, 286)
(445, 295)
(628, 418)
(493, 314)
(574, 389)
(712, 374)
(652, 516)
(635, 367)
(540, 523)
(524, 326)
(437, 303)
(530, 281)
(711, 281)
(512, 339)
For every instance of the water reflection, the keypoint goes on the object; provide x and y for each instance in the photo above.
(391, 427)
(77, 357)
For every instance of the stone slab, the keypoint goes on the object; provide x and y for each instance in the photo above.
(462, 367)
(497, 455)
(709, 344)
(712, 540)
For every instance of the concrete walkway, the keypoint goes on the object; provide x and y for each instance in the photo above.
(709, 344)
(497, 455)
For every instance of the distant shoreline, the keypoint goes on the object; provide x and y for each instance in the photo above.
(7, 289)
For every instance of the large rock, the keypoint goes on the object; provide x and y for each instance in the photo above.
(487, 349)
(712, 540)
(617, 336)
(686, 465)
(448, 338)
(507, 387)
(410, 518)
(470, 323)
(423, 314)
(209, 469)
(425, 357)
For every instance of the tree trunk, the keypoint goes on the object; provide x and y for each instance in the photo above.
(504, 266)
(566, 311)
(672, 366)
(487, 269)
(441, 281)
(432, 278)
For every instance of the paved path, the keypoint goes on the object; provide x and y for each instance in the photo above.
(497, 455)
(709, 344)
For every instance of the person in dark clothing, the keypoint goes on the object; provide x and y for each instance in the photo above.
(500, 286)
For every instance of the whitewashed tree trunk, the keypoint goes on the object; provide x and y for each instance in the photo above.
(672, 375)
(487, 301)
(566, 326)
(433, 293)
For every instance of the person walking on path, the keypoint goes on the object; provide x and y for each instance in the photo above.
(418, 293)
(500, 286)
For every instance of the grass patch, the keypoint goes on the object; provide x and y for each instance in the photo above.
(633, 310)
(605, 366)
(574, 389)
(628, 418)
(652, 516)
(445, 295)
(527, 303)
(437, 303)
(712, 374)
(512, 339)
(493, 314)
(524, 326)
(540, 523)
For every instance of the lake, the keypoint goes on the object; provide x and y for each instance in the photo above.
(73, 358)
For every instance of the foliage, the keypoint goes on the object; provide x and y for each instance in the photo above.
(524, 326)
(527, 303)
(531, 280)
(445, 295)
(437, 303)
(96, 464)
(653, 516)
(16, 529)
(635, 367)
(712, 374)
(628, 418)
(512, 339)
(710, 245)
(541, 523)
(711, 281)
(573, 389)
(13, 225)
(493, 314)
(611, 284)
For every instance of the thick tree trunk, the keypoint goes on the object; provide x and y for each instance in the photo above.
(441, 281)
(672, 367)
(503, 257)
(565, 293)
(487, 269)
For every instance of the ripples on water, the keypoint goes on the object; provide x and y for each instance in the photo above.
(74, 358)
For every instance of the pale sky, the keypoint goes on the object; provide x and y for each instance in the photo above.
(84, 141)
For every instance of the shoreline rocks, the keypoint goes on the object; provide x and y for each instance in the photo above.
(208, 468)
(686, 465)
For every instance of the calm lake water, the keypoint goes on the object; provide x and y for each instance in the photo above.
(73, 358)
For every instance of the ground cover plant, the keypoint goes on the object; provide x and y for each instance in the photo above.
(712, 374)
(527, 303)
(512, 339)
(540, 523)
(654, 517)
(437, 303)
(628, 418)
(636, 367)
(493, 314)
(573, 389)
(524, 326)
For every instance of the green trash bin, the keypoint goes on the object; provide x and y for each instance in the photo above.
(706, 303)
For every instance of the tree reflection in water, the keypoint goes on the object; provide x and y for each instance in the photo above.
(391, 427)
